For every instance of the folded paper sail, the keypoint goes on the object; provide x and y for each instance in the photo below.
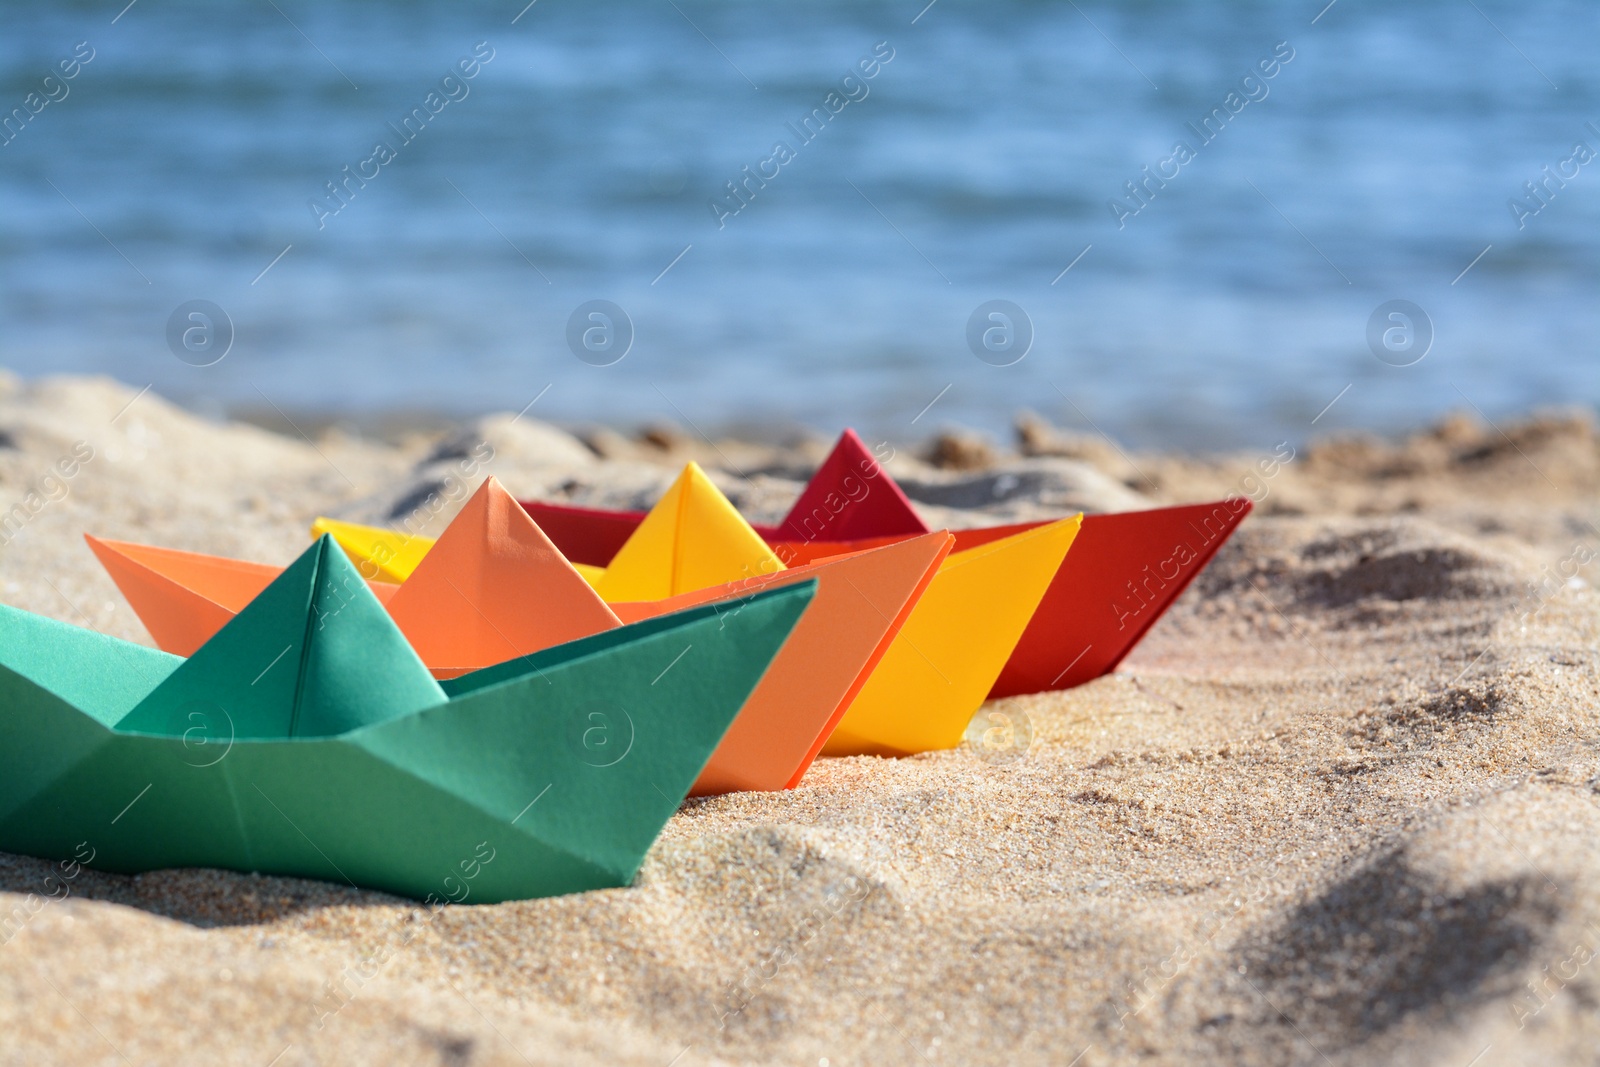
(493, 588)
(849, 498)
(1124, 571)
(940, 667)
(307, 739)
(862, 601)
(692, 539)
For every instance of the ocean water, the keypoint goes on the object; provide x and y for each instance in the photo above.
(1226, 301)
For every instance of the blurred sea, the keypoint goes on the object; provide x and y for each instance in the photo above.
(580, 162)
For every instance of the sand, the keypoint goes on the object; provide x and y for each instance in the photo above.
(1340, 807)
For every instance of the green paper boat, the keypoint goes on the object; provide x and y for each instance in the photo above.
(307, 739)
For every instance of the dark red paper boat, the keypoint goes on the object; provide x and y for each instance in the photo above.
(1123, 572)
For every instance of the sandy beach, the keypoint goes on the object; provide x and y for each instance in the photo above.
(1339, 807)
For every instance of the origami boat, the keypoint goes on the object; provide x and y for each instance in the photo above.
(1123, 573)
(307, 739)
(939, 667)
(493, 589)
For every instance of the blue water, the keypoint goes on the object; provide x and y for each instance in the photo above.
(976, 164)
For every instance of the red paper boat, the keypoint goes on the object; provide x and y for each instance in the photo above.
(1124, 571)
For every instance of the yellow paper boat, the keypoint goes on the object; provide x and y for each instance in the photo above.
(941, 665)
